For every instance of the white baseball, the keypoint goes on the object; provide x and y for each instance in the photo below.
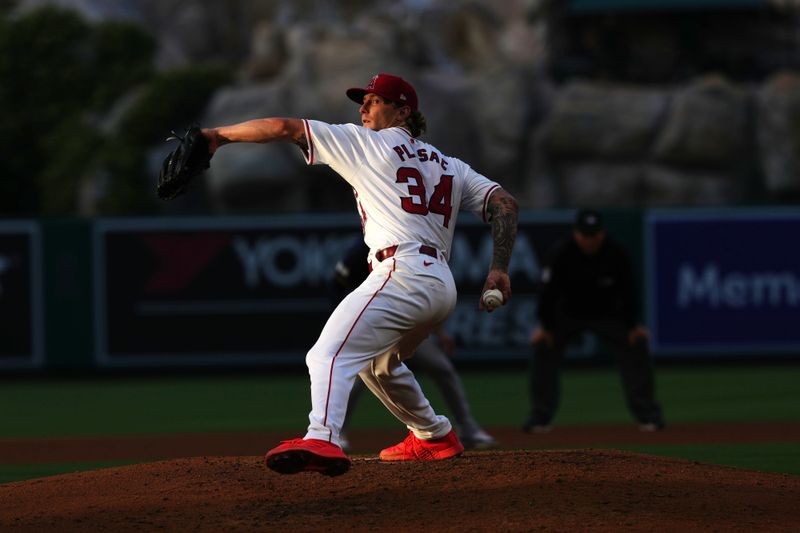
(492, 299)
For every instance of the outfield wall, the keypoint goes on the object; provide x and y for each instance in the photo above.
(253, 291)
(722, 282)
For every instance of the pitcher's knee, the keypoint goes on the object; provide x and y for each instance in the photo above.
(383, 367)
(315, 356)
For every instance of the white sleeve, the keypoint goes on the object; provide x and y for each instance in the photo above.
(336, 145)
(477, 189)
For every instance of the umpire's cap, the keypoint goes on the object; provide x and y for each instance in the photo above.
(391, 87)
(589, 222)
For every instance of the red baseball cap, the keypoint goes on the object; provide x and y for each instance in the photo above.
(391, 87)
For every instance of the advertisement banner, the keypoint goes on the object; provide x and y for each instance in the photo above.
(20, 295)
(724, 283)
(246, 290)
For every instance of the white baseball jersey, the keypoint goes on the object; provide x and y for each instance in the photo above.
(408, 194)
(406, 190)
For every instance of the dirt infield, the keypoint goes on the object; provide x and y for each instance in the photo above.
(149, 447)
(227, 488)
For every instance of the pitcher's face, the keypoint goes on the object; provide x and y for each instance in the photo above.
(377, 113)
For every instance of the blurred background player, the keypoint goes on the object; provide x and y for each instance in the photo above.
(432, 357)
(588, 285)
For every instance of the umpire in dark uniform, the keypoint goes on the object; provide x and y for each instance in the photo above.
(588, 284)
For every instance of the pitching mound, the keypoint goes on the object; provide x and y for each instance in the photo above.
(564, 490)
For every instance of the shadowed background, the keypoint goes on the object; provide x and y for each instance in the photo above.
(630, 107)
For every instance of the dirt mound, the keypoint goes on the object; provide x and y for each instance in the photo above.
(556, 490)
(137, 448)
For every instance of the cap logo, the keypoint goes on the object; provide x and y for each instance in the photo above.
(371, 84)
(403, 97)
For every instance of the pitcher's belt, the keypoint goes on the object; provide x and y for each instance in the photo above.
(380, 255)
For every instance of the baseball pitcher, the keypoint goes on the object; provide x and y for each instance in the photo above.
(408, 195)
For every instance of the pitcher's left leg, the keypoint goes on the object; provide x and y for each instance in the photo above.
(396, 387)
(431, 436)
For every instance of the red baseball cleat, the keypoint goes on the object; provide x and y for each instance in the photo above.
(414, 449)
(311, 455)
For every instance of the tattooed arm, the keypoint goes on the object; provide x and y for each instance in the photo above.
(503, 210)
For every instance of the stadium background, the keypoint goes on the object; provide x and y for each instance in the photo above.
(171, 327)
(85, 252)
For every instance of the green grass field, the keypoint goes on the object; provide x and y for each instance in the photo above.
(263, 402)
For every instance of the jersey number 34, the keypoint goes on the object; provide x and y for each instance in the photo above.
(418, 203)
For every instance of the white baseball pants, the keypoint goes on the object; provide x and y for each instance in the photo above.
(370, 333)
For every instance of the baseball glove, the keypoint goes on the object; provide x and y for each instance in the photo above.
(189, 159)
